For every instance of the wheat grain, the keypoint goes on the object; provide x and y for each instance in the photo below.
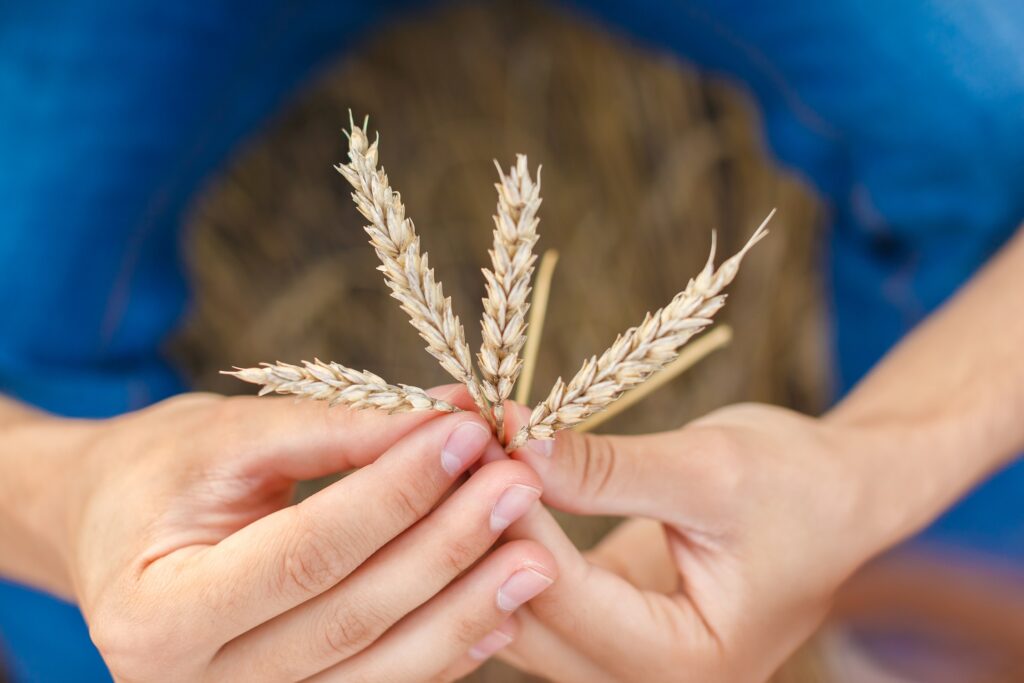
(693, 353)
(405, 266)
(508, 285)
(638, 352)
(339, 385)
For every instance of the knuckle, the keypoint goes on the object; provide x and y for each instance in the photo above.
(456, 555)
(594, 461)
(220, 424)
(405, 504)
(313, 562)
(467, 631)
(346, 629)
(196, 400)
(228, 413)
(722, 452)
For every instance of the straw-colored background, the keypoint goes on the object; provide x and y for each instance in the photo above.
(642, 159)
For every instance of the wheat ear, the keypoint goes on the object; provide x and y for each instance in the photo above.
(508, 285)
(339, 385)
(637, 353)
(405, 267)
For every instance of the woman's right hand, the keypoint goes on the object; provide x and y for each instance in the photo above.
(172, 529)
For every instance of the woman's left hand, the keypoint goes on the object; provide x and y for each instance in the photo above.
(763, 513)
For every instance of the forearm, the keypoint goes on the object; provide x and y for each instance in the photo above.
(945, 408)
(34, 451)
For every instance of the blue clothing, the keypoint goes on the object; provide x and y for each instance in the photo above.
(906, 116)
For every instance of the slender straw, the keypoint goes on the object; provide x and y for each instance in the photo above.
(692, 354)
(535, 328)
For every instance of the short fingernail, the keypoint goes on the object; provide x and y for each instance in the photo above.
(542, 446)
(512, 505)
(521, 587)
(463, 446)
(489, 644)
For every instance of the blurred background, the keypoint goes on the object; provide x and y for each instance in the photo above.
(643, 156)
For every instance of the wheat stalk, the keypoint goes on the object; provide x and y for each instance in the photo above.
(405, 267)
(508, 285)
(535, 323)
(339, 385)
(637, 353)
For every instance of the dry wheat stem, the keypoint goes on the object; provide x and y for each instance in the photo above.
(339, 385)
(535, 323)
(405, 266)
(638, 353)
(508, 285)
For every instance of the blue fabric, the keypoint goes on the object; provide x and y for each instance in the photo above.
(906, 116)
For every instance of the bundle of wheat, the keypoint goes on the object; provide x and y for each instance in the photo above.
(632, 359)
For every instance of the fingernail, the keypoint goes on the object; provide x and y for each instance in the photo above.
(542, 446)
(463, 446)
(512, 505)
(522, 586)
(489, 644)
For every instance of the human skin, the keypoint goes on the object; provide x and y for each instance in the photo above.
(747, 520)
(172, 529)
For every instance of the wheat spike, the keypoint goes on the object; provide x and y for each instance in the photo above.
(405, 266)
(637, 353)
(508, 285)
(339, 385)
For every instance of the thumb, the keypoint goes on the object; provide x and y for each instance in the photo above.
(668, 476)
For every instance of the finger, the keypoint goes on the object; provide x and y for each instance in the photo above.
(539, 651)
(399, 578)
(485, 648)
(294, 554)
(589, 607)
(638, 551)
(438, 635)
(298, 439)
(672, 476)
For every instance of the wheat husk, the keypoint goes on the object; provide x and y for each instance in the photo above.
(637, 353)
(505, 307)
(339, 385)
(405, 266)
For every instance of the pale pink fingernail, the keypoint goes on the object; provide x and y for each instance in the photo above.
(521, 587)
(542, 446)
(512, 505)
(489, 644)
(464, 445)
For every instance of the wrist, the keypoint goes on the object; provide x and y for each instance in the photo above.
(911, 467)
(40, 456)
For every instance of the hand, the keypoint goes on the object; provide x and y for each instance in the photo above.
(763, 513)
(179, 544)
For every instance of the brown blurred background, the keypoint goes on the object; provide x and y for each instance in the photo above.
(642, 158)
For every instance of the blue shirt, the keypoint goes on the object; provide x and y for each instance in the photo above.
(905, 116)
